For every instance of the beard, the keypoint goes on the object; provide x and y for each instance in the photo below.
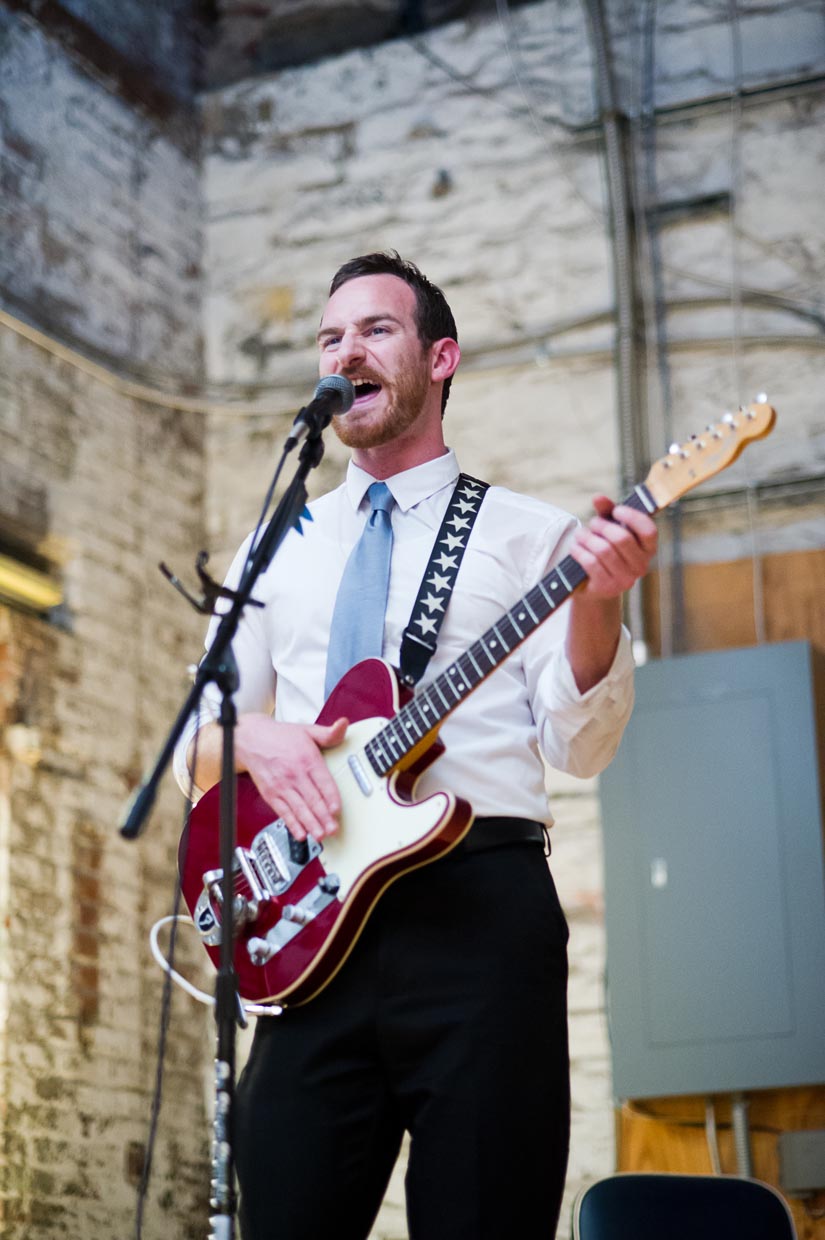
(405, 401)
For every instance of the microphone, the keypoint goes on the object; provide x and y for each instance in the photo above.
(334, 394)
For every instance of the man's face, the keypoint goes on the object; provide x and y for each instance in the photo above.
(368, 334)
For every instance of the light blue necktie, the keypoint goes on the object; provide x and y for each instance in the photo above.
(357, 630)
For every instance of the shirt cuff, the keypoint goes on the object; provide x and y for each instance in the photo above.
(613, 686)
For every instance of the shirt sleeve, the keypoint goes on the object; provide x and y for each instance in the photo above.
(256, 677)
(578, 733)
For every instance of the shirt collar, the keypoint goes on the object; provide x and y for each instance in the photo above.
(409, 487)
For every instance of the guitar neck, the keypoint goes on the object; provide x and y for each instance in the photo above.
(435, 701)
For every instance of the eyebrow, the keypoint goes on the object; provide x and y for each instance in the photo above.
(368, 321)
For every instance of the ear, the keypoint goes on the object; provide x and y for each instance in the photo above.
(445, 356)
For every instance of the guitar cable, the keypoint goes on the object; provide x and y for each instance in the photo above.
(166, 963)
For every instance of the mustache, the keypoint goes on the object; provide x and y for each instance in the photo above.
(369, 376)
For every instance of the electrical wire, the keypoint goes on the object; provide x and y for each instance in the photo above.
(670, 600)
(106, 375)
(757, 566)
(538, 121)
(541, 121)
(157, 1096)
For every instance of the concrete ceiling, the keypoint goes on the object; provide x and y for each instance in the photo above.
(244, 38)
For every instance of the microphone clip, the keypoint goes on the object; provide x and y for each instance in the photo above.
(212, 590)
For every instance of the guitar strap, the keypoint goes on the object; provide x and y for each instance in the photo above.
(420, 639)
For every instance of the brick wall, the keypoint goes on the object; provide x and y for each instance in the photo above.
(82, 710)
(100, 247)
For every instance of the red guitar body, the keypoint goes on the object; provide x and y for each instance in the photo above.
(299, 908)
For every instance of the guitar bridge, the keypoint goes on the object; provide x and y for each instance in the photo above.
(260, 874)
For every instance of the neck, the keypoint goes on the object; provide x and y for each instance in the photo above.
(404, 452)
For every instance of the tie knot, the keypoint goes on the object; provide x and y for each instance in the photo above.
(380, 497)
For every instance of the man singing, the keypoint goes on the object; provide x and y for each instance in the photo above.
(448, 1019)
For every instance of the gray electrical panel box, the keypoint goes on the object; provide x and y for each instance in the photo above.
(714, 877)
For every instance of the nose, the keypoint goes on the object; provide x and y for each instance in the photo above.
(350, 349)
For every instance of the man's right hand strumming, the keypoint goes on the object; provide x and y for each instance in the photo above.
(284, 761)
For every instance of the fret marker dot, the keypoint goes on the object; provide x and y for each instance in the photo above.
(554, 585)
(493, 643)
(521, 615)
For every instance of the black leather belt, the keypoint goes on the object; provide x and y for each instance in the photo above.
(495, 832)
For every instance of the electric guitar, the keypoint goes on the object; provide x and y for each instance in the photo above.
(299, 907)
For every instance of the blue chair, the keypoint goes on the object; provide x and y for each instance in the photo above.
(658, 1206)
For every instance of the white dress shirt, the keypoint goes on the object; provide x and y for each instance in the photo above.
(527, 707)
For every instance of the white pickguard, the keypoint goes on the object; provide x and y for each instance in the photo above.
(373, 823)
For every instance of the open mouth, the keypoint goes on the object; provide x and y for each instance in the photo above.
(365, 389)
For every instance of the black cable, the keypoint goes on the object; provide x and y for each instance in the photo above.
(163, 1030)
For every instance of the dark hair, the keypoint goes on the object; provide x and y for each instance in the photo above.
(433, 316)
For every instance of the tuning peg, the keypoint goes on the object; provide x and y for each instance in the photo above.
(761, 399)
(729, 419)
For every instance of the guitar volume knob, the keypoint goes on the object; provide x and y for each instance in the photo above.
(260, 952)
(330, 884)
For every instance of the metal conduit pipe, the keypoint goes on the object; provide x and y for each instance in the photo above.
(632, 440)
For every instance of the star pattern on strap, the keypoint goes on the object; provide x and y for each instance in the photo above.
(433, 603)
(452, 541)
(430, 607)
(439, 581)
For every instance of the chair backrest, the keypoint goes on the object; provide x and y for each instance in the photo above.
(658, 1206)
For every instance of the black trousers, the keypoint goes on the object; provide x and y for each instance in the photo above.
(448, 1020)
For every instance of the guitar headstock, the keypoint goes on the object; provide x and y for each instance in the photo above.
(702, 456)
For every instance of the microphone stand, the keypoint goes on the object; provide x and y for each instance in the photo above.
(219, 667)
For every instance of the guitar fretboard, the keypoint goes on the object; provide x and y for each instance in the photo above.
(435, 701)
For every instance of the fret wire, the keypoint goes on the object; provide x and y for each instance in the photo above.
(437, 687)
(539, 605)
(407, 719)
(495, 630)
(465, 661)
(536, 619)
(574, 571)
(377, 754)
(471, 657)
(491, 658)
(510, 631)
(548, 597)
(424, 696)
(455, 691)
(515, 626)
